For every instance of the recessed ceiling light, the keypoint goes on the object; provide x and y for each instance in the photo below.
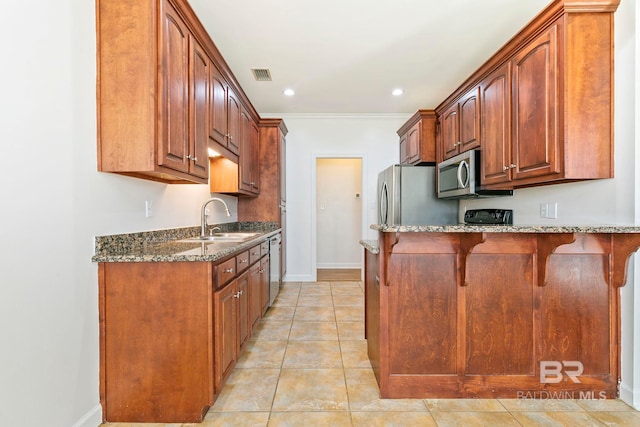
(397, 92)
(289, 92)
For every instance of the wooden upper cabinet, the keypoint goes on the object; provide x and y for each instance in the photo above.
(174, 100)
(165, 95)
(469, 107)
(546, 101)
(418, 139)
(241, 178)
(536, 144)
(460, 125)
(234, 122)
(249, 167)
(199, 111)
(152, 119)
(218, 112)
(496, 126)
(449, 138)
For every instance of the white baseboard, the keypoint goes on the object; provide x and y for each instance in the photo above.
(629, 396)
(93, 418)
(339, 265)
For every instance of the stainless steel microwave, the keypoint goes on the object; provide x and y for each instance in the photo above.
(459, 178)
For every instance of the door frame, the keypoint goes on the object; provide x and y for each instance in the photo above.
(314, 217)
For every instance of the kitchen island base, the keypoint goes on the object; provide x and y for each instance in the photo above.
(496, 315)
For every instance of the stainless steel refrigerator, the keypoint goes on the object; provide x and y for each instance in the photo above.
(407, 196)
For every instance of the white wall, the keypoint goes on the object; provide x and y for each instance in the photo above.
(338, 212)
(372, 137)
(53, 202)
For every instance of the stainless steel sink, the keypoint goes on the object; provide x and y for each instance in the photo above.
(222, 237)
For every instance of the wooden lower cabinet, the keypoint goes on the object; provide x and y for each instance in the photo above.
(264, 283)
(172, 332)
(225, 331)
(255, 278)
(485, 315)
(232, 326)
(155, 341)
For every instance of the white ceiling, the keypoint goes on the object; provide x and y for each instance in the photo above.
(346, 56)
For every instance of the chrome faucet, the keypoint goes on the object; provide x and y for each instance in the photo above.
(203, 216)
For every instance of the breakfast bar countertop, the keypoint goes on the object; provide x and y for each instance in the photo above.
(466, 228)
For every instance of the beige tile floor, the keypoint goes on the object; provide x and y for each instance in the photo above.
(306, 365)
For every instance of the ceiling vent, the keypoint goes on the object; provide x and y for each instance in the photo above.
(261, 74)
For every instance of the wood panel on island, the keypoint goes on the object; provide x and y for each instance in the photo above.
(473, 314)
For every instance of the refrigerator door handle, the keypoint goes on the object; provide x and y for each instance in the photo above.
(384, 204)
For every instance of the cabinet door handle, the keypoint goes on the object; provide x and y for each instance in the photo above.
(261, 270)
(512, 166)
(236, 295)
(505, 168)
(244, 261)
(228, 270)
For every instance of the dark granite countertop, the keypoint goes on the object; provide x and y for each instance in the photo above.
(463, 228)
(164, 245)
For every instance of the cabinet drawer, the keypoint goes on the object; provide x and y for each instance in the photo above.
(225, 272)
(242, 261)
(264, 248)
(254, 254)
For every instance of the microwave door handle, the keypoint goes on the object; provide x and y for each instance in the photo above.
(463, 165)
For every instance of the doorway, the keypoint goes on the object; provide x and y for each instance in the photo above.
(338, 212)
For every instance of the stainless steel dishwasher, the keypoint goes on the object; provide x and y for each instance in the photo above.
(274, 267)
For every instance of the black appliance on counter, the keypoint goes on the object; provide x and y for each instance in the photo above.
(488, 217)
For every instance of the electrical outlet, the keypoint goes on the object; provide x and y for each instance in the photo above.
(148, 208)
(543, 210)
(549, 210)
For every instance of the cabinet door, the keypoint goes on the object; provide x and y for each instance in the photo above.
(255, 296)
(469, 108)
(233, 122)
(264, 283)
(243, 325)
(496, 128)
(199, 113)
(218, 107)
(175, 91)
(536, 147)
(226, 321)
(254, 131)
(413, 143)
(403, 150)
(246, 153)
(249, 156)
(449, 132)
